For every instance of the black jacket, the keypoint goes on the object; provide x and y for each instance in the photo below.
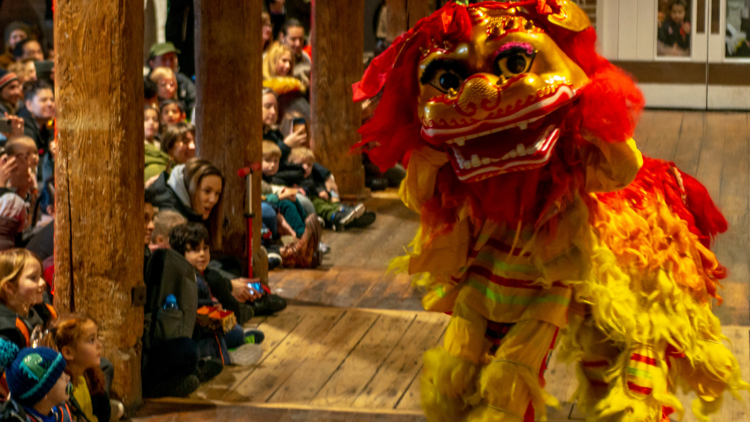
(41, 135)
(161, 195)
(18, 330)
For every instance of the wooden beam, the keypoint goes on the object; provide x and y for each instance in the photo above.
(228, 114)
(99, 201)
(403, 14)
(338, 45)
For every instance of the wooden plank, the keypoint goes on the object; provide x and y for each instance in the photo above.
(275, 328)
(391, 381)
(712, 154)
(324, 357)
(688, 153)
(411, 399)
(350, 379)
(646, 128)
(663, 143)
(284, 359)
(734, 177)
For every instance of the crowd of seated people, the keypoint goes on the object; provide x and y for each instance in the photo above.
(183, 267)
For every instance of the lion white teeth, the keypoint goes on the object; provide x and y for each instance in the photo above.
(475, 161)
(521, 150)
(486, 161)
(460, 141)
(523, 125)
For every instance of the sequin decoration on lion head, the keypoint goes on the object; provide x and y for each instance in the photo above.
(494, 86)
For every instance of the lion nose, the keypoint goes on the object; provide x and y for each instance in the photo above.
(480, 95)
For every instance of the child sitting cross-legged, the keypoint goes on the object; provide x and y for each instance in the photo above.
(38, 384)
(192, 240)
(326, 201)
(282, 197)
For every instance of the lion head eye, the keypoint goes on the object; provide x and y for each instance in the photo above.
(444, 74)
(513, 61)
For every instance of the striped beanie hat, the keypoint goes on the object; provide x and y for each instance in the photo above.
(32, 373)
(6, 78)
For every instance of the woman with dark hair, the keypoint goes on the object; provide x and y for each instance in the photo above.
(195, 190)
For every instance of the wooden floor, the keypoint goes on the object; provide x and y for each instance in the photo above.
(362, 364)
(349, 348)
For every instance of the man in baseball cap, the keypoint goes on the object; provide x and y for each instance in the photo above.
(165, 55)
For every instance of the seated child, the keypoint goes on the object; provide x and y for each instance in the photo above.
(23, 311)
(166, 83)
(192, 240)
(37, 382)
(172, 112)
(76, 338)
(675, 30)
(326, 202)
(164, 222)
(282, 197)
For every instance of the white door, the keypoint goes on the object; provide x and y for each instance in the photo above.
(677, 50)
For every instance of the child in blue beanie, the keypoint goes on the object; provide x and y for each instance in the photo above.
(37, 382)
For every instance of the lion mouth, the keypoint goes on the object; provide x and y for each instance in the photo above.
(521, 148)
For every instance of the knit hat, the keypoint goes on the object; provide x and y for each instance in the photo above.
(32, 373)
(6, 78)
(13, 26)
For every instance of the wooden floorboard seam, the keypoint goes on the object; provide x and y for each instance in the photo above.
(281, 384)
(374, 375)
(347, 356)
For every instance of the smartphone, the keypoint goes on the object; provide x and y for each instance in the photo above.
(298, 121)
(256, 287)
(5, 126)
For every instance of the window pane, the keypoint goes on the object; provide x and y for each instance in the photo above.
(673, 36)
(738, 26)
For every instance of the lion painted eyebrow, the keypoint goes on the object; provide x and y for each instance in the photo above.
(528, 48)
(443, 64)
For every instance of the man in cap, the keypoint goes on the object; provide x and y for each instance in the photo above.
(165, 55)
(11, 93)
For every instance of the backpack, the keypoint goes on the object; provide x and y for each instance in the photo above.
(169, 273)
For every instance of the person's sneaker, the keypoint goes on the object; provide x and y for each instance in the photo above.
(346, 215)
(186, 387)
(179, 387)
(254, 336)
(246, 355)
(268, 304)
(367, 218)
(208, 369)
(274, 260)
(118, 410)
(323, 248)
(245, 314)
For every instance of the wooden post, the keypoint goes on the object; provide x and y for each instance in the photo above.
(404, 14)
(99, 172)
(337, 45)
(228, 114)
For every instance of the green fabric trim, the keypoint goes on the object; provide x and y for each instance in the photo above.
(517, 300)
(504, 266)
(639, 373)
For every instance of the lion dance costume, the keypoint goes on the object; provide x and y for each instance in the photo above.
(542, 225)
